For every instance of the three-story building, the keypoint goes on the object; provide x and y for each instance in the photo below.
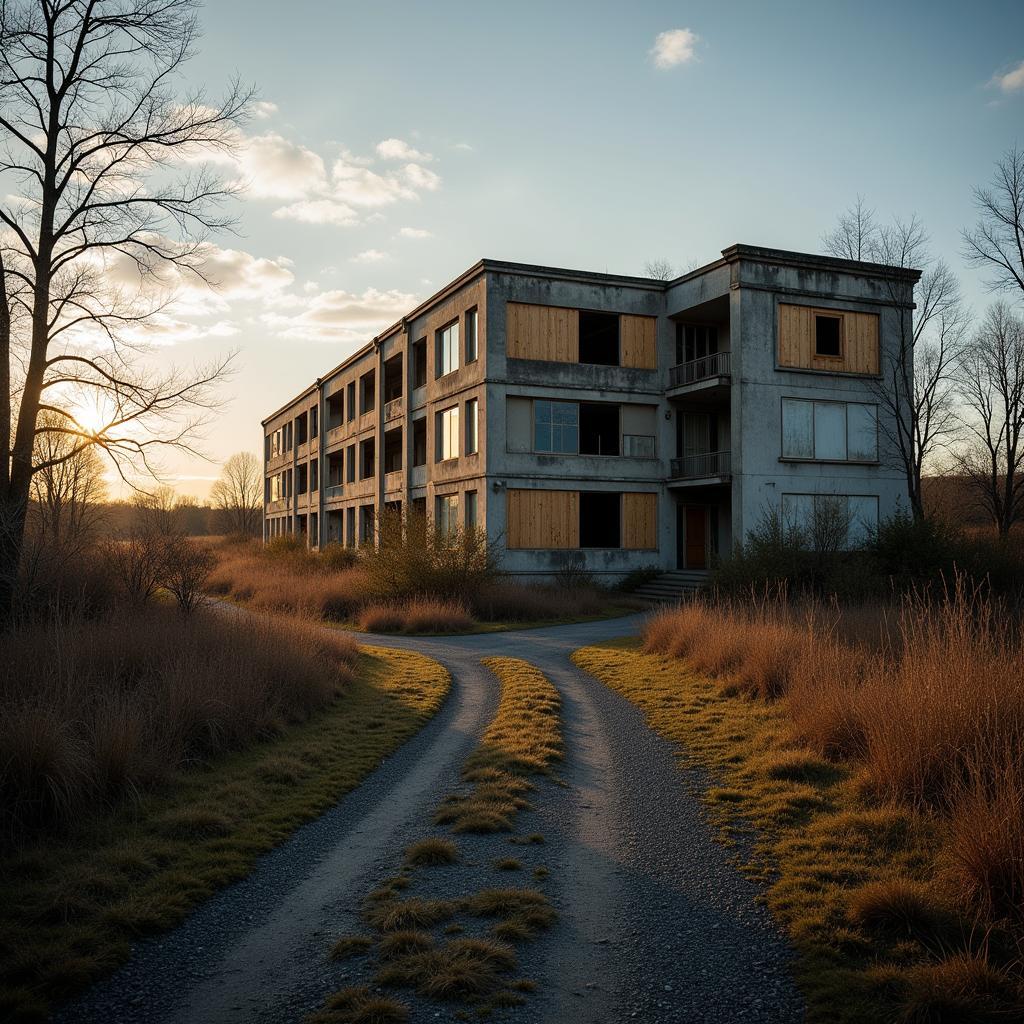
(627, 421)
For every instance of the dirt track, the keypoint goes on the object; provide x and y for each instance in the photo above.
(655, 924)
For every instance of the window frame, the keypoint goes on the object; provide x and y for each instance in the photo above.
(536, 402)
(472, 316)
(448, 523)
(824, 314)
(451, 412)
(472, 423)
(814, 457)
(472, 501)
(451, 346)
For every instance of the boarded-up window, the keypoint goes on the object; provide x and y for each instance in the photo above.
(543, 519)
(639, 342)
(518, 424)
(829, 431)
(542, 332)
(832, 340)
(640, 522)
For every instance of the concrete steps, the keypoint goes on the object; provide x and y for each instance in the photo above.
(672, 587)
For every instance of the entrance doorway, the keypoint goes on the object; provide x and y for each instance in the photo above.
(692, 537)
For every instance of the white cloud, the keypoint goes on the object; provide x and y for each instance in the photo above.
(674, 47)
(370, 256)
(336, 315)
(1012, 80)
(414, 233)
(273, 167)
(397, 149)
(264, 109)
(420, 178)
(319, 211)
(464, 146)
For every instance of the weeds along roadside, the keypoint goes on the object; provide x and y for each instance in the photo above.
(425, 936)
(79, 888)
(877, 756)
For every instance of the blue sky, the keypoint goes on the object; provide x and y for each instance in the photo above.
(400, 142)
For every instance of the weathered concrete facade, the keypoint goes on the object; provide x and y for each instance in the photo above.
(635, 423)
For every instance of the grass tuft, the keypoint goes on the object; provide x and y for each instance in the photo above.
(350, 945)
(432, 852)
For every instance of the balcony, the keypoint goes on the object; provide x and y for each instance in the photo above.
(392, 410)
(707, 467)
(333, 491)
(707, 371)
(638, 446)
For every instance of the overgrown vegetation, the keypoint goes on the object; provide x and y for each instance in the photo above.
(902, 555)
(413, 945)
(181, 809)
(418, 581)
(877, 752)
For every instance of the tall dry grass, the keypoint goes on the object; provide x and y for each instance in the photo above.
(926, 699)
(98, 710)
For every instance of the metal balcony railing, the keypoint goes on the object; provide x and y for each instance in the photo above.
(393, 409)
(707, 464)
(715, 365)
(638, 446)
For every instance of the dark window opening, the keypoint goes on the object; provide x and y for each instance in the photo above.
(366, 524)
(350, 527)
(393, 450)
(335, 468)
(350, 400)
(695, 341)
(301, 428)
(828, 336)
(366, 458)
(419, 442)
(600, 519)
(599, 429)
(393, 378)
(419, 507)
(314, 475)
(419, 363)
(368, 392)
(314, 422)
(350, 464)
(599, 338)
(302, 482)
(335, 410)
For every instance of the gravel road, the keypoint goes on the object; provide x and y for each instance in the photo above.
(655, 923)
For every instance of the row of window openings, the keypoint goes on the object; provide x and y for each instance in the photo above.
(585, 428)
(359, 460)
(297, 431)
(299, 525)
(446, 512)
(342, 405)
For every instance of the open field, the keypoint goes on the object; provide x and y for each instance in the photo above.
(878, 758)
(285, 718)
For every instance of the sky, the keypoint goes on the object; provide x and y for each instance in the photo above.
(395, 144)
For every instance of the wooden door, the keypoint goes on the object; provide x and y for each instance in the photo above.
(696, 537)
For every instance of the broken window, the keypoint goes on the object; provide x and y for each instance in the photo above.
(419, 363)
(366, 458)
(350, 399)
(599, 338)
(302, 481)
(393, 450)
(301, 425)
(393, 378)
(368, 392)
(350, 464)
(599, 429)
(335, 410)
(600, 519)
(419, 441)
(828, 332)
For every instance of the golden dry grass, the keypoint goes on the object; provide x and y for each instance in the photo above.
(358, 1005)
(827, 851)
(523, 739)
(69, 907)
(416, 615)
(432, 851)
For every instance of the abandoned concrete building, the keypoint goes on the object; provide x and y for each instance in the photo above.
(622, 421)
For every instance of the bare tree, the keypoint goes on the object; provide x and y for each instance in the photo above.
(157, 512)
(992, 387)
(997, 241)
(67, 494)
(108, 159)
(660, 269)
(855, 234)
(238, 494)
(916, 389)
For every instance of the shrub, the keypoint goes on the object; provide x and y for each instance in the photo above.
(186, 568)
